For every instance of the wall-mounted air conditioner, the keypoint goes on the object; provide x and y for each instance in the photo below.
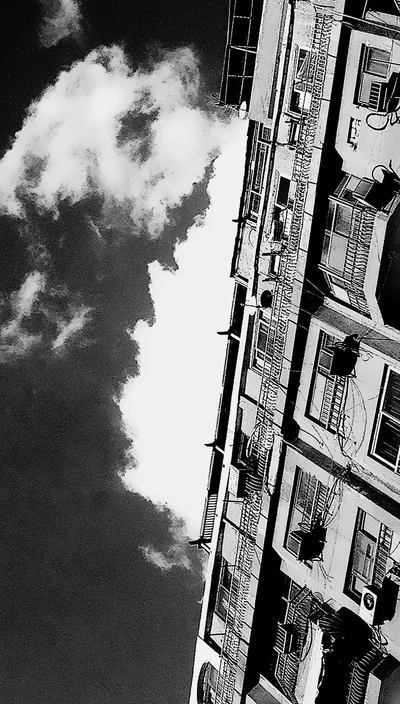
(295, 542)
(369, 604)
(287, 639)
(307, 545)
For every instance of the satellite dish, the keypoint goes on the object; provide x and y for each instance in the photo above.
(243, 110)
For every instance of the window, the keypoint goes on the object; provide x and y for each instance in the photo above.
(301, 92)
(371, 549)
(283, 191)
(274, 264)
(376, 61)
(224, 588)
(259, 167)
(294, 130)
(325, 403)
(207, 684)
(338, 288)
(308, 504)
(264, 134)
(241, 445)
(351, 188)
(261, 341)
(386, 442)
(337, 230)
(374, 68)
(288, 593)
(256, 175)
(254, 206)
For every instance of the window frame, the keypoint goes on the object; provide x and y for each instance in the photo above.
(299, 100)
(308, 513)
(351, 196)
(283, 188)
(264, 133)
(362, 534)
(259, 354)
(339, 284)
(207, 684)
(259, 166)
(381, 412)
(223, 590)
(293, 132)
(372, 79)
(256, 177)
(332, 234)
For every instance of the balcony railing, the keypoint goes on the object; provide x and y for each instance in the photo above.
(264, 432)
(382, 555)
(357, 253)
(287, 666)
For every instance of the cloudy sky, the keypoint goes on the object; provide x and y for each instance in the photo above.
(118, 185)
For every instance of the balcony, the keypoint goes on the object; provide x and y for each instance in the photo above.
(359, 247)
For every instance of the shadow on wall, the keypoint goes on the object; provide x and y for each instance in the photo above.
(388, 286)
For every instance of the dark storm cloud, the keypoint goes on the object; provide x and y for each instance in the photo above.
(85, 620)
(78, 596)
(61, 19)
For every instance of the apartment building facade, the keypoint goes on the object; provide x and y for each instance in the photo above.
(302, 514)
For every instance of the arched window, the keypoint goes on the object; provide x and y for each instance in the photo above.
(207, 684)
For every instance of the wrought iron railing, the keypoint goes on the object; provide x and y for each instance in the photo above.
(357, 253)
(382, 555)
(264, 433)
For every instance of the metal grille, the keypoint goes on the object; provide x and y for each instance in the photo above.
(287, 665)
(358, 247)
(374, 95)
(209, 517)
(360, 674)
(382, 555)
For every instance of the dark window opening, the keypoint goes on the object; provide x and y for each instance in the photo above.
(283, 191)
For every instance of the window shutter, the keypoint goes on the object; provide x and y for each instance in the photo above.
(392, 398)
(388, 441)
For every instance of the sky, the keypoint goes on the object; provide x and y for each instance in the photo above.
(118, 185)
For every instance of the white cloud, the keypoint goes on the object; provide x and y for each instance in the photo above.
(137, 139)
(177, 555)
(170, 409)
(22, 301)
(62, 18)
(67, 329)
(15, 340)
(17, 337)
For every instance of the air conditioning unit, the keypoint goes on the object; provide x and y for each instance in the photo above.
(287, 639)
(369, 604)
(307, 545)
